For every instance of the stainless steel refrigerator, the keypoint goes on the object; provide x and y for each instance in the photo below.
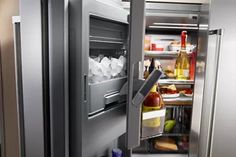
(69, 106)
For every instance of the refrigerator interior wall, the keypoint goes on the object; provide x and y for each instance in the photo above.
(164, 23)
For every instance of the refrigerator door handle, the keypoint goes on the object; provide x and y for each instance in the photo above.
(136, 36)
(18, 75)
(85, 87)
(146, 87)
(135, 72)
(218, 33)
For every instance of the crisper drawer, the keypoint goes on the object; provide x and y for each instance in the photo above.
(105, 93)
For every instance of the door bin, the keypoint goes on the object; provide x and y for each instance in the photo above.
(152, 123)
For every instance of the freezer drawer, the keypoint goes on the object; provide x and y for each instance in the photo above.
(105, 93)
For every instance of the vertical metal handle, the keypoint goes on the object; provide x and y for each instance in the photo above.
(19, 88)
(85, 87)
(218, 33)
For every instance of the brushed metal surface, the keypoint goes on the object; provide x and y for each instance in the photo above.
(214, 41)
(159, 155)
(224, 120)
(1, 113)
(180, 1)
(85, 133)
(31, 46)
(58, 77)
(199, 81)
(19, 90)
(137, 14)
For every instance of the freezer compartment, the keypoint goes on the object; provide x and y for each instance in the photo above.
(152, 123)
(107, 63)
(107, 49)
(105, 94)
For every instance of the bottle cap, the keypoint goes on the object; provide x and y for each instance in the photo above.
(183, 39)
(116, 152)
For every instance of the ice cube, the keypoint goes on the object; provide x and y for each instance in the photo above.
(96, 69)
(106, 67)
(114, 67)
(122, 59)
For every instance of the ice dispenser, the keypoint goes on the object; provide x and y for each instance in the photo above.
(107, 71)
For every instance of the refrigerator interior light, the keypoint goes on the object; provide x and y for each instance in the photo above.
(176, 24)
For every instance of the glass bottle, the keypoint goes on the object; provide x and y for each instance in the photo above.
(152, 66)
(182, 62)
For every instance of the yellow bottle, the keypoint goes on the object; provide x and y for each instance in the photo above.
(152, 102)
(182, 62)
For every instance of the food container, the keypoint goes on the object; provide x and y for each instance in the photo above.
(166, 96)
(147, 43)
(161, 45)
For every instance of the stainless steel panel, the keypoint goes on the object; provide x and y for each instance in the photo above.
(19, 90)
(66, 72)
(180, 1)
(1, 114)
(85, 132)
(99, 100)
(105, 10)
(168, 6)
(199, 81)
(224, 120)
(58, 76)
(214, 42)
(137, 14)
(31, 46)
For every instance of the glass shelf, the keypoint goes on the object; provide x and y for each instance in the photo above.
(179, 101)
(176, 82)
(162, 54)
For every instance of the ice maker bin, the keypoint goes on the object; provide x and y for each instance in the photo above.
(105, 93)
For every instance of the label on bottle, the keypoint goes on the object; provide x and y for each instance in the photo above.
(181, 73)
(186, 73)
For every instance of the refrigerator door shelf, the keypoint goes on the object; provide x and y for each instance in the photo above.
(153, 123)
